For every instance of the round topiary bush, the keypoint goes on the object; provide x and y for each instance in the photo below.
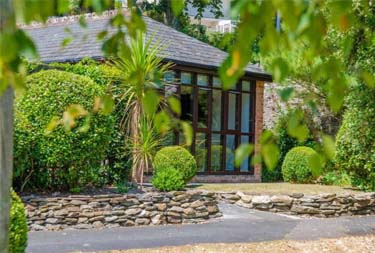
(355, 141)
(168, 179)
(18, 225)
(301, 165)
(62, 159)
(178, 158)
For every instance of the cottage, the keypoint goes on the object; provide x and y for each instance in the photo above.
(221, 119)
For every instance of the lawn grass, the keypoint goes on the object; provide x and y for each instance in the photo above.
(274, 188)
(354, 244)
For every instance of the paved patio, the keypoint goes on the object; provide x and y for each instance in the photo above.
(237, 225)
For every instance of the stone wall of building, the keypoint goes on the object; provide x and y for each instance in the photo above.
(114, 210)
(322, 205)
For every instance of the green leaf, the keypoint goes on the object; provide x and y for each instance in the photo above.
(55, 121)
(270, 153)
(150, 102)
(280, 69)
(368, 78)
(66, 41)
(329, 146)
(82, 21)
(63, 6)
(175, 105)
(295, 126)
(286, 93)
(243, 151)
(177, 6)
(104, 104)
(162, 122)
(187, 130)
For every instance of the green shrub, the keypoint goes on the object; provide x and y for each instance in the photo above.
(301, 165)
(285, 143)
(168, 179)
(178, 158)
(117, 155)
(339, 178)
(18, 225)
(355, 141)
(61, 159)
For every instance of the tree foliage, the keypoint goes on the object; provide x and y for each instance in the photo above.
(175, 13)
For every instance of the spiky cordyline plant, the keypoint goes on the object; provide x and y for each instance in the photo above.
(141, 70)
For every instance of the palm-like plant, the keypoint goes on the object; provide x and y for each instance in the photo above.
(141, 71)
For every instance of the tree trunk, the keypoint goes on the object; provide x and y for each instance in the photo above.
(6, 164)
(136, 166)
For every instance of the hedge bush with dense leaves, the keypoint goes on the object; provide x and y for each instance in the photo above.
(117, 156)
(301, 165)
(61, 159)
(168, 179)
(18, 225)
(178, 158)
(355, 141)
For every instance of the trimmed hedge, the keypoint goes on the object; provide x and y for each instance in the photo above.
(178, 158)
(62, 159)
(355, 141)
(301, 165)
(168, 179)
(117, 155)
(18, 225)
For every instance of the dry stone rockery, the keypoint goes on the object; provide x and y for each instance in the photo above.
(322, 205)
(114, 210)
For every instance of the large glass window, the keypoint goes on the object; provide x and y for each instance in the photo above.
(220, 119)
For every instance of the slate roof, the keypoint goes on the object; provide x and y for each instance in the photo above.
(179, 47)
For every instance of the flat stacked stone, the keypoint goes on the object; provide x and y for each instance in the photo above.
(113, 210)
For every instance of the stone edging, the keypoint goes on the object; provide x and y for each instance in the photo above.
(322, 205)
(114, 210)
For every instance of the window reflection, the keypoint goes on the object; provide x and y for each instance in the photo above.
(232, 102)
(216, 110)
(245, 113)
(202, 80)
(187, 103)
(201, 151)
(229, 157)
(203, 96)
(216, 152)
(185, 78)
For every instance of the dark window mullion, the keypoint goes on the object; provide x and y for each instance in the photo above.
(195, 110)
(210, 99)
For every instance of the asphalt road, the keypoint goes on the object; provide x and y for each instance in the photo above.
(237, 225)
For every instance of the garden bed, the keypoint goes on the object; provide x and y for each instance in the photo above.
(114, 210)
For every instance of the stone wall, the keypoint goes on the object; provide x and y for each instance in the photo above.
(114, 210)
(322, 205)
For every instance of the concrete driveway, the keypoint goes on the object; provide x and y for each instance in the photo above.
(237, 225)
